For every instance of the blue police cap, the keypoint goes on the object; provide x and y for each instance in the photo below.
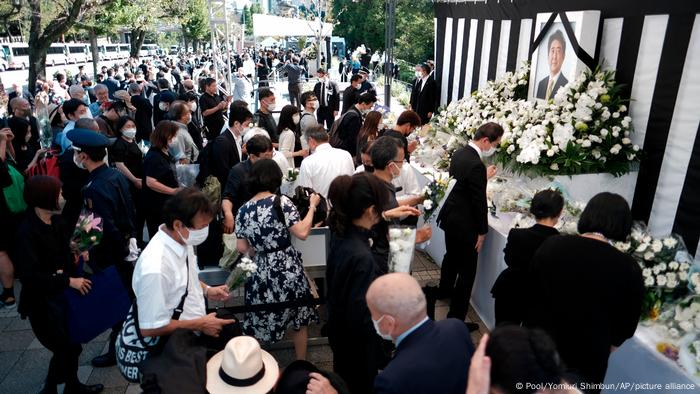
(86, 139)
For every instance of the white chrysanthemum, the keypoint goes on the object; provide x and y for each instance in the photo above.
(642, 247)
(670, 242)
(428, 204)
(656, 246)
(673, 265)
(646, 272)
(661, 280)
(649, 281)
(648, 256)
(562, 134)
(615, 149)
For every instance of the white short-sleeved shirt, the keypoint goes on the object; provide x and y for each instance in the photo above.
(159, 282)
(318, 170)
(406, 181)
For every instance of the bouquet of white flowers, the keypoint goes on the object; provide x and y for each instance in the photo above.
(433, 193)
(291, 175)
(402, 241)
(241, 273)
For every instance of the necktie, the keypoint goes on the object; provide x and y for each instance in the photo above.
(323, 94)
(550, 85)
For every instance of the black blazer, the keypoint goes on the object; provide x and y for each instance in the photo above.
(333, 100)
(224, 155)
(423, 100)
(350, 96)
(542, 86)
(434, 358)
(465, 208)
(142, 117)
(521, 245)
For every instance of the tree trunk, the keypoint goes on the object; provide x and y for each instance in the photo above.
(95, 53)
(184, 37)
(38, 49)
(137, 38)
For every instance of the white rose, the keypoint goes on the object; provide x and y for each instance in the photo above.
(642, 247)
(615, 115)
(428, 204)
(656, 246)
(626, 141)
(615, 134)
(586, 144)
(604, 132)
(615, 149)
(648, 256)
(554, 167)
(673, 265)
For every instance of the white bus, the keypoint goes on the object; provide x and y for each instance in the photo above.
(78, 53)
(16, 55)
(148, 50)
(124, 51)
(56, 54)
(109, 52)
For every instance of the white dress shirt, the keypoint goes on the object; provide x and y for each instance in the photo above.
(320, 169)
(407, 181)
(159, 281)
(473, 145)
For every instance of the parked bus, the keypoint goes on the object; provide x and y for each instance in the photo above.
(56, 54)
(16, 55)
(109, 52)
(148, 50)
(78, 53)
(124, 51)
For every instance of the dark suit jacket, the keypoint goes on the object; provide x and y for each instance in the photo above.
(333, 100)
(158, 115)
(349, 98)
(542, 86)
(521, 246)
(434, 358)
(224, 155)
(423, 100)
(465, 208)
(142, 117)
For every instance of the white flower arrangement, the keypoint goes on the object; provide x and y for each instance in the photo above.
(291, 175)
(241, 273)
(402, 241)
(567, 135)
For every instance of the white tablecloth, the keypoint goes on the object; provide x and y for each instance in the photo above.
(633, 365)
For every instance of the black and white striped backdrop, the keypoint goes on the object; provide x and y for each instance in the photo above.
(655, 48)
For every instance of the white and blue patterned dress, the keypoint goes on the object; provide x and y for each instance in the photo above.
(280, 275)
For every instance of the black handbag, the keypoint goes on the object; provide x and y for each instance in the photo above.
(301, 200)
(133, 348)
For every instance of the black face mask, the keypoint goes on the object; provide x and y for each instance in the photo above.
(369, 168)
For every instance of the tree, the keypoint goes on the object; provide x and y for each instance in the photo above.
(195, 23)
(47, 29)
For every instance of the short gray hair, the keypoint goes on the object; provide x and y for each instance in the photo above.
(100, 86)
(134, 88)
(76, 91)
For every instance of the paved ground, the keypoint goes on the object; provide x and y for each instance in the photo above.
(24, 362)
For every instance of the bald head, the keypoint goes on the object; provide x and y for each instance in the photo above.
(188, 84)
(399, 296)
(20, 107)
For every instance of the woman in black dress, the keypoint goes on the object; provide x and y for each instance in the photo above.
(586, 294)
(358, 202)
(128, 159)
(10, 220)
(159, 181)
(44, 266)
(511, 287)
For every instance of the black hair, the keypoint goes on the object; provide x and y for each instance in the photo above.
(208, 81)
(355, 78)
(306, 96)
(425, 67)
(258, 144)
(608, 214)
(409, 116)
(350, 196)
(490, 130)
(384, 151)
(367, 98)
(286, 118)
(264, 93)
(185, 205)
(95, 154)
(121, 122)
(265, 176)
(163, 84)
(557, 36)
(178, 109)
(71, 106)
(238, 114)
(546, 204)
(519, 354)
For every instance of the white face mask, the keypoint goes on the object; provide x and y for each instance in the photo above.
(376, 328)
(419, 75)
(86, 115)
(77, 161)
(398, 174)
(196, 236)
(315, 105)
(129, 133)
(163, 106)
(489, 152)
(271, 107)
(365, 111)
(296, 118)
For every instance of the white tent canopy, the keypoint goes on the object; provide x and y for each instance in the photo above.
(277, 26)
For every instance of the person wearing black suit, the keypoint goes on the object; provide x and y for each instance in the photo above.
(143, 114)
(351, 93)
(586, 294)
(21, 109)
(398, 311)
(158, 112)
(510, 290)
(556, 50)
(328, 95)
(226, 149)
(463, 217)
(424, 93)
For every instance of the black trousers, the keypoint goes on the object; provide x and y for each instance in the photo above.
(508, 311)
(325, 117)
(295, 94)
(50, 328)
(458, 271)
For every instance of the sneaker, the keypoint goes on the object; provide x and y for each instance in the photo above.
(8, 302)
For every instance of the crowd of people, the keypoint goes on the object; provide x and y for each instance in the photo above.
(114, 149)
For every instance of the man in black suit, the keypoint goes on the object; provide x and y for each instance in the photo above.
(463, 217)
(328, 95)
(143, 114)
(17, 91)
(398, 310)
(423, 93)
(159, 110)
(556, 50)
(351, 93)
(226, 149)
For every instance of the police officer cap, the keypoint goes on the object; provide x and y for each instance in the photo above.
(167, 97)
(87, 139)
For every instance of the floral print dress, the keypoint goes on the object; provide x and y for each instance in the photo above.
(280, 275)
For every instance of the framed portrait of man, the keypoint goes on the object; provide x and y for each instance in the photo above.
(555, 61)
